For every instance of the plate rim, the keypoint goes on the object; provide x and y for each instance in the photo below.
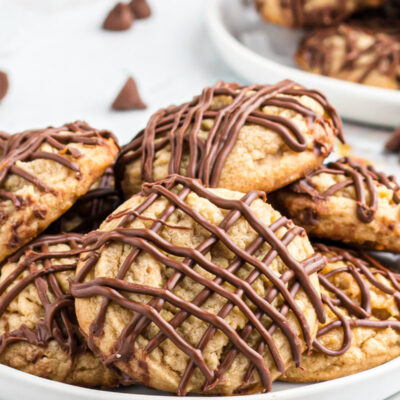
(222, 36)
(286, 394)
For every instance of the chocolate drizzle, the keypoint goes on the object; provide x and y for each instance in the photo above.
(326, 15)
(26, 146)
(59, 321)
(175, 189)
(384, 51)
(303, 14)
(364, 179)
(178, 127)
(363, 269)
(91, 209)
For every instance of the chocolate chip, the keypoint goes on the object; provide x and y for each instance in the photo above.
(128, 98)
(3, 84)
(393, 144)
(140, 8)
(120, 18)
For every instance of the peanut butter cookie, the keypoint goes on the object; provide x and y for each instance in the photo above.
(188, 289)
(358, 52)
(299, 13)
(38, 329)
(362, 330)
(42, 173)
(237, 137)
(348, 202)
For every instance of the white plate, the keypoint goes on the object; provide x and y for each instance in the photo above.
(375, 384)
(263, 53)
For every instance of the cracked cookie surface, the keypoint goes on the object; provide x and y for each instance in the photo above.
(357, 52)
(237, 137)
(42, 173)
(180, 289)
(362, 330)
(346, 201)
(39, 333)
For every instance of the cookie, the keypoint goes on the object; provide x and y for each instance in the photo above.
(385, 19)
(182, 288)
(39, 333)
(91, 209)
(299, 13)
(237, 137)
(354, 52)
(42, 174)
(362, 329)
(348, 202)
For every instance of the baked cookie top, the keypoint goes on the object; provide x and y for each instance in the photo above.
(363, 51)
(43, 172)
(350, 179)
(362, 329)
(231, 135)
(198, 290)
(91, 209)
(299, 13)
(357, 292)
(38, 328)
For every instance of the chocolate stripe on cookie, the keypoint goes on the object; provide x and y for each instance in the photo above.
(363, 268)
(325, 15)
(382, 54)
(59, 322)
(24, 146)
(175, 189)
(364, 179)
(179, 126)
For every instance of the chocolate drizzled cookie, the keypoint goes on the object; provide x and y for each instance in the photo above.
(43, 172)
(231, 136)
(38, 329)
(300, 13)
(196, 271)
(363, 51)
(346, 201)
(362, 300)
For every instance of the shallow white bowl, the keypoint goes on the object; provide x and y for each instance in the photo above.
(375, 384)
(263, 53)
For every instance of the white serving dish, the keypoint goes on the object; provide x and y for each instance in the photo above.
(375, 384)
(263, 53)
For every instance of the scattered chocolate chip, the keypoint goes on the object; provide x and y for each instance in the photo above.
(120, 18)
(3, 84)
(393, 144)
(140, 8)
(128, 98)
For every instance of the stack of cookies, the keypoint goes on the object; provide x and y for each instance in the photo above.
(354, 40)
(167, 263)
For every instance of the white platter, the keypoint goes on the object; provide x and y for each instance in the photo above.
(263, 53)
(375, 384)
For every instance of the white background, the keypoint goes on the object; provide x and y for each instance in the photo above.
(63, 67)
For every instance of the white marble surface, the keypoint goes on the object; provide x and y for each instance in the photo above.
(63, 67)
